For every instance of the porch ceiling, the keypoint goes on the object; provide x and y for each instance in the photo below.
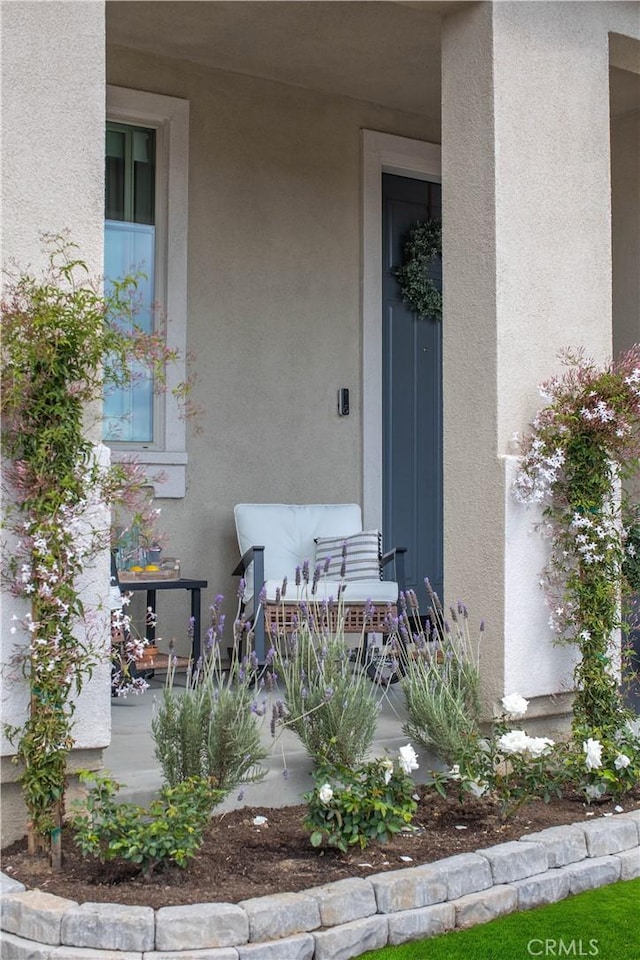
(383, 52)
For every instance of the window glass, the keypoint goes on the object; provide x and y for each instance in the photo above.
(130, 248)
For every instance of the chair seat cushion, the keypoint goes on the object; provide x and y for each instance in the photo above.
(378, 591)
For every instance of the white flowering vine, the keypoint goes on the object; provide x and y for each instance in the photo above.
(582, 445)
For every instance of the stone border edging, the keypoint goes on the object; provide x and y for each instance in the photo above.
(336, 921)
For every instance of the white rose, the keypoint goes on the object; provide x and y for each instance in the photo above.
(633, 726)
(513, 742)
(515, 705)
(593, 751)
(621, 761)
(407, 758)
(536, 746)
(325, 793)
(477, 789)
(387, 765)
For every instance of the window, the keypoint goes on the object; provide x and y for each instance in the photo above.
(146, 170)
(129, 246)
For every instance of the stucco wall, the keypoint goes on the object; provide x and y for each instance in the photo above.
(52, 109)
(527, 239)
(274, 300)
(52, 180)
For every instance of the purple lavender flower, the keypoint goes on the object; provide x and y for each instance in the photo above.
(241, 588)
(285, 774)
(327, 564)
(284, 587)
(262, 596)
(298, 576)
(305, 571)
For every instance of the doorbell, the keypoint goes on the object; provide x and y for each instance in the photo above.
(343, 402)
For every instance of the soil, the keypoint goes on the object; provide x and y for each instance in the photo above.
(241, 859)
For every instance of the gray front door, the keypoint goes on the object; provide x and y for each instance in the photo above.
(412, 395)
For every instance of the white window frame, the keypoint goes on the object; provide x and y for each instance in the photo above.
(169, 116)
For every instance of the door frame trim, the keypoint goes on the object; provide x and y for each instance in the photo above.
(381, 153)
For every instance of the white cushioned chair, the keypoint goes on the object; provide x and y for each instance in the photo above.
(276, 538)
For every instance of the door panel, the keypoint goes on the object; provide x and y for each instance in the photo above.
(412, 395)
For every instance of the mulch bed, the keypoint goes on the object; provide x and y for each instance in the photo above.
(240, 859)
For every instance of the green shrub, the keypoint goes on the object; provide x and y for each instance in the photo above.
(169, 831)
(210, 729)
(371, 801)
(330, 704)
(441, 685)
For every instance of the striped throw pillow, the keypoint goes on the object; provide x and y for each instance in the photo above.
(362, 559)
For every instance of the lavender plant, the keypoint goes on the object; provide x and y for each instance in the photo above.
(582, 447)
(441, 685)
(328, 703)
(211, 730)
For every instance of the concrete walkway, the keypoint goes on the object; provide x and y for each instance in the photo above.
(130, 758)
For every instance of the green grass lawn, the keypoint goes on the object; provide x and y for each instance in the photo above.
(602, 924)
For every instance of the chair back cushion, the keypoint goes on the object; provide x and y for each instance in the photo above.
(362, 555)
(288, 531)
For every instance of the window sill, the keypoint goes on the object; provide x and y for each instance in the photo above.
(169, 466)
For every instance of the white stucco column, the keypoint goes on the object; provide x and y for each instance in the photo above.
(53, 115)
(527, 255)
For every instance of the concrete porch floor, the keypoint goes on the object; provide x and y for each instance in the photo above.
(130, 757)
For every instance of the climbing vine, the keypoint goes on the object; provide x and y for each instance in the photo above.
(422, 248)
(584, 444)
(61, 341)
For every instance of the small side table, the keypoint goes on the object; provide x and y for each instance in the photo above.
(183, 583)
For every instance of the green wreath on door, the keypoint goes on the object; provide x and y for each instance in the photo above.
(423, 246)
